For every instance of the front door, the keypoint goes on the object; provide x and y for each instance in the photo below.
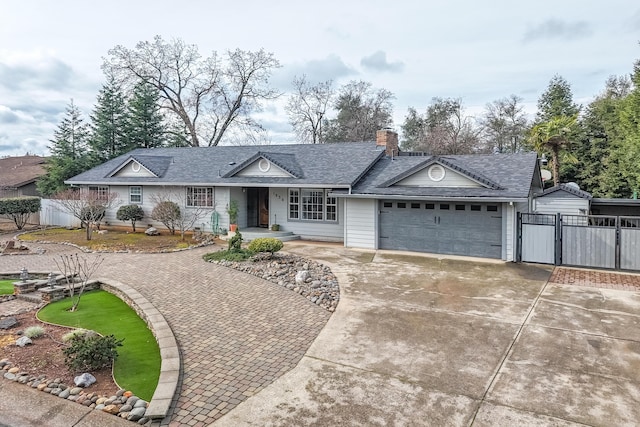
(263, 207)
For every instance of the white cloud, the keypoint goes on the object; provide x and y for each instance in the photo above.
(377, 61)
(557, 29)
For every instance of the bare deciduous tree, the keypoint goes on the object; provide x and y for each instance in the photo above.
(209, 95)
(89, 206)
(188, 214)
(444, 129)
(505, 124)
(77, 270)
(307, 107)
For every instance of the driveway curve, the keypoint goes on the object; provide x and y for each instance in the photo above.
(237, 333)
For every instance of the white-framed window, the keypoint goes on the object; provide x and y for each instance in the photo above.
(294, 204)
(312, 204)
(199, 196)
(135, 195)
(101, 191)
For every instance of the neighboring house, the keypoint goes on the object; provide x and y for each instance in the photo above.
(566, 199)
(18, 175)
(363, 194)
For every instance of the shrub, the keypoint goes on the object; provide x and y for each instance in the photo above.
(76, 333)
(18, 209)
(91, 352)
(131, 213)
(235, 243)
(168, 213)
(265, 244)
(34, 332)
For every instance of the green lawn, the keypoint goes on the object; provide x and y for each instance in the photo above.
(138, 365)
(6, 286)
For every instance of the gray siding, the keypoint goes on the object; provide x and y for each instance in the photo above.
(135, 170)
(361, 223)
(254, 170)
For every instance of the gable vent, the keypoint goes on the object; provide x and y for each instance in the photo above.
(436, 173)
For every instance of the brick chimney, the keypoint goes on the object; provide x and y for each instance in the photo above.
(388, 139)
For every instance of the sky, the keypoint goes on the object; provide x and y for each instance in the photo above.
(52, 51)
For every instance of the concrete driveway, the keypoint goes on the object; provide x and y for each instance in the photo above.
(422, 341)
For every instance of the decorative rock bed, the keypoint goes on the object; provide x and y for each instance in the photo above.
(310, 279)
(123, 404)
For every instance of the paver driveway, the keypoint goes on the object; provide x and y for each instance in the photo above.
(237, 333)
(419, 341)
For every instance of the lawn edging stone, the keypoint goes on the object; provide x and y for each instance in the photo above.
(171, 362)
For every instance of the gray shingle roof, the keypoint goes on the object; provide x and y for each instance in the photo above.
(569, 189)
(326, 164)
(506, 176)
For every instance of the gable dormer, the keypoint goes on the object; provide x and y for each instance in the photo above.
(142, 167)
(441, 172)
(272, 165)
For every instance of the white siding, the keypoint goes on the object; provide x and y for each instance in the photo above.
(451, 179)
(361, 223)
(571, 205)
(240, 196)
(509, 232)
(254, 170)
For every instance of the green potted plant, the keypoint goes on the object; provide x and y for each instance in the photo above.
(275, 227)
(232, 210)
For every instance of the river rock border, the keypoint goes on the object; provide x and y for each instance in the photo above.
(309, 278)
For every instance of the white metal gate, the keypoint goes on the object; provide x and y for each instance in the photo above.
(538, 237)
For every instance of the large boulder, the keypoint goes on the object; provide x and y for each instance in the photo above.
(84, 380)
(152, 231)
(22, 341)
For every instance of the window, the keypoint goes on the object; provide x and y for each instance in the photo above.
(135, 195)
(476, 207)
(101, 191)
(460, 207)
(429, 206)
(492, 208)
(444, 207)
(415, 205)
(294, 204)
(387, 204)
(332, 208)
(401, 205)
(199, 196)
(312, 204)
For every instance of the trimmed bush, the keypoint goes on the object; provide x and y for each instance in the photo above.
(34, 332)
(131, 213)
(168, 213)
(91, 352)
(235, 243)
(265, 244)
(18, 209)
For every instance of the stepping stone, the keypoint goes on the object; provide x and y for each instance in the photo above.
(8, 322)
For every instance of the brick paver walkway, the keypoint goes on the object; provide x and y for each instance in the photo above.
(595, 278)
(237, 333)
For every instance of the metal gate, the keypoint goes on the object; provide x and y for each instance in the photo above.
(580, 240)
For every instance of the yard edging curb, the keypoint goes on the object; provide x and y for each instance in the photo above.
(171, 362)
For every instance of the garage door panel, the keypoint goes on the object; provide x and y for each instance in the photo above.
(446, 231)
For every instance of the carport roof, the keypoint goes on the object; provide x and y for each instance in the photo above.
(505, 176)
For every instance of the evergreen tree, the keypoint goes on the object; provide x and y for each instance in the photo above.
(69, 152)
(626, 156)
(556, 101)
(556, 107)
(598, 168)
(145, 124)
(109, 120)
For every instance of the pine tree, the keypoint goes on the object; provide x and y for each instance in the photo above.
(556, 101)
(145, 124)
(69, 152)
(109, 120)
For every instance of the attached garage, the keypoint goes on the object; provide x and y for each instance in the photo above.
(452, 228)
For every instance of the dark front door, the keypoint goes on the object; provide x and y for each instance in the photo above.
(258, 207)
